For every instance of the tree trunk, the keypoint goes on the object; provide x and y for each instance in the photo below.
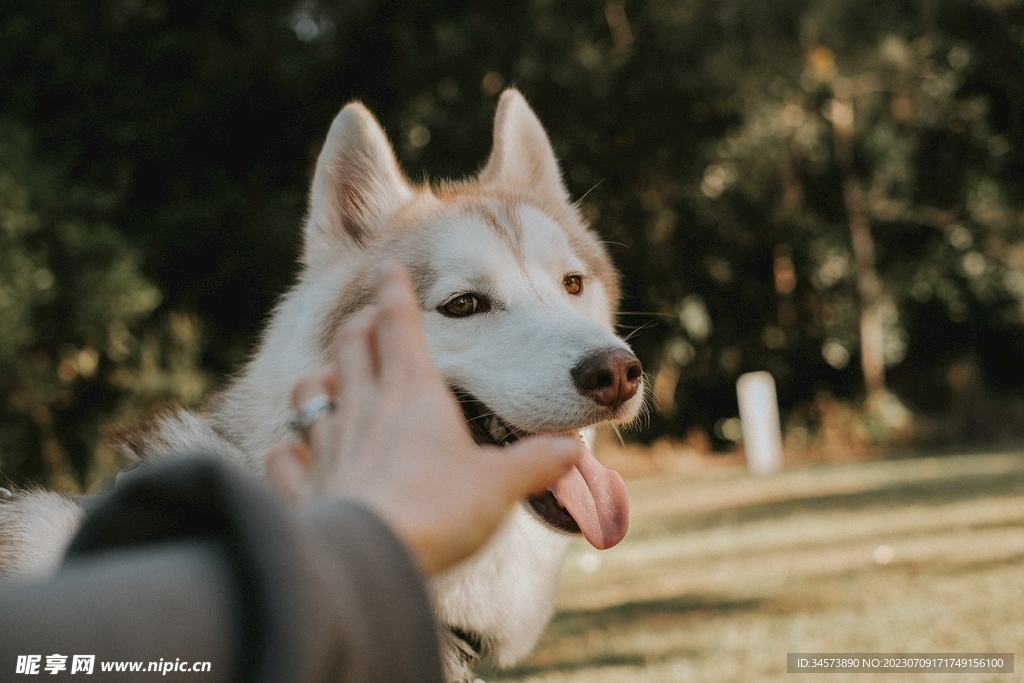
(872, 357)
(869, 288)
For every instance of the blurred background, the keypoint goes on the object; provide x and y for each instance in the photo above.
(831, 191)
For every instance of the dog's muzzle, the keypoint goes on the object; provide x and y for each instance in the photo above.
(597, 504)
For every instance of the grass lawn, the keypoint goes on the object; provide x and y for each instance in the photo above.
(719, 577)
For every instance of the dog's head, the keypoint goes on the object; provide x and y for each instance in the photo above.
(518, 295)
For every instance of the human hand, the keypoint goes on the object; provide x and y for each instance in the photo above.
(397, 443)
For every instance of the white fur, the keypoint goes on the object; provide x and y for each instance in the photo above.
(512, 235)
(42, 524)
(507, 590)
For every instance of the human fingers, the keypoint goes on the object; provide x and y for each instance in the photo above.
(442, 529)
(314, 384)
(401, 341)
(356, 364)
(532, 464)
(309, 392)
(287, 467)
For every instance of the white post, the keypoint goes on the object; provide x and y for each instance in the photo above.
(759, 418)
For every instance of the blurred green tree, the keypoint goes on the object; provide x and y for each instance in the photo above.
(871, 166)
(729, 152)
(72, 358)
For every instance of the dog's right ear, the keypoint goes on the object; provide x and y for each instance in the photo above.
(357, 185)
(522, 157)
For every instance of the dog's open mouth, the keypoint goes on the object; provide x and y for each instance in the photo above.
(488, 428)
(590, 499)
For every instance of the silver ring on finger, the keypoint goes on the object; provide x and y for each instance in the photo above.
(310, 411)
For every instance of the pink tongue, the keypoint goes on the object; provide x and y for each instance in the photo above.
(596, 498)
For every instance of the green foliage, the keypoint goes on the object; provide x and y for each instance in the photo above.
(701, 138)
(71, 303)
(939, 170)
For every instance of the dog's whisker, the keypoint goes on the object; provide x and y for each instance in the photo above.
(485, 612)
(648, 404)
(617, 431)
(635, 330)
(584, 195)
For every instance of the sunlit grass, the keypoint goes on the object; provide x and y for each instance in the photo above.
(720, 577)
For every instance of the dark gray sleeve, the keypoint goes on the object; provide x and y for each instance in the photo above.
(189, 561)
(171, 603)
(369, 596)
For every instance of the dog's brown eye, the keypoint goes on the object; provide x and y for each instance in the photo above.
(573, 284)
(463, 305)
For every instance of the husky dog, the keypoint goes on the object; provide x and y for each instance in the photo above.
(518, 299)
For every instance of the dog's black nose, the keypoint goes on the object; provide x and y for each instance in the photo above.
(609, 377)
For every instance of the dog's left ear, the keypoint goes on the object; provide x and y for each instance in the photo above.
(522, 157)
(357, 186)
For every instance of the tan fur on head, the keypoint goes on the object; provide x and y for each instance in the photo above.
(522, 159)
(357, 186)
(511, 236)
(359, 193)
